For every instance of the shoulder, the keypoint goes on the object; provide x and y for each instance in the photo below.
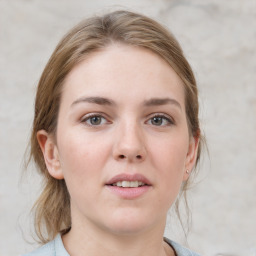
(180, 250)
(47, 249)
(53, 248)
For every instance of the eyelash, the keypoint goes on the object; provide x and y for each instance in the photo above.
(89, 117)
(169, 121)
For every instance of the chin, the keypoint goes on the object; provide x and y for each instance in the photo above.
(126, 230)
(127, 223)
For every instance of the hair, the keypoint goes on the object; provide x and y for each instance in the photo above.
(52, 209)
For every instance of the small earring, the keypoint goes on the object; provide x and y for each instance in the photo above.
(187, 171)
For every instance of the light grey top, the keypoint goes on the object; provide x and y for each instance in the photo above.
(56, 248)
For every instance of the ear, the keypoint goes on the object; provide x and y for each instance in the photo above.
(191, 156)
(51, 154)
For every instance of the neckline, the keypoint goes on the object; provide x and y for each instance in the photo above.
(61, 251)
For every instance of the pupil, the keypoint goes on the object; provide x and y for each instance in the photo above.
(157, 120)
(95, 120)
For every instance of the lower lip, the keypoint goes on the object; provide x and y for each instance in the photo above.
(129, 193)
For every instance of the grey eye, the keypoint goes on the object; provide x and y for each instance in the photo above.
(95, 120)
(157, 120)
(160, 120)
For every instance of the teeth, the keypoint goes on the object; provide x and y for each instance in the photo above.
(129, 184)
(134, 184)
(119, 184)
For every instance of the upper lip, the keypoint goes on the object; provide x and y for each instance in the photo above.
(128, 177)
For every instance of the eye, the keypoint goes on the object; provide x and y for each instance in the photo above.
(160, 120)
(94, 120)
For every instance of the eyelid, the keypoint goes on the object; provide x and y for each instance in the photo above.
(93, 114)
(86, 117)
(167, 117)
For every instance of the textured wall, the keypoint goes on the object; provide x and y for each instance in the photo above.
(219, 39)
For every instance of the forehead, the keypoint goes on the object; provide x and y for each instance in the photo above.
(120, 71)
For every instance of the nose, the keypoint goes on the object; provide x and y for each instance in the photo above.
(129, 144)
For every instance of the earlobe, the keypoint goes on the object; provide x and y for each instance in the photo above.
(191, 157)
(51, 155)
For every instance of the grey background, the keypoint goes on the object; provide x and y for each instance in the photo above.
(219, 40)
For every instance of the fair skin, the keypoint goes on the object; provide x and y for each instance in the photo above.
(122, 112)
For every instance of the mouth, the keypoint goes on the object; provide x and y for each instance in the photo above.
(129, 181)
(128, 186)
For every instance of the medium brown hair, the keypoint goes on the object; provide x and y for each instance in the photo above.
(52, 209)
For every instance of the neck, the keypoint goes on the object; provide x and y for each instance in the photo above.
(94, 241)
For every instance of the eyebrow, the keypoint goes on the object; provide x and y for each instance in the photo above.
(109, 102)
(95, 100)
(161, 101)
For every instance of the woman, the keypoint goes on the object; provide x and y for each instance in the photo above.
(116, 136)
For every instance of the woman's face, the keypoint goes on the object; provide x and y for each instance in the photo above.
(123, 145)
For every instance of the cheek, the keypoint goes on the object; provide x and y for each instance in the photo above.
(169, 158)
(170, 154)
(81, 166)
(81, 156)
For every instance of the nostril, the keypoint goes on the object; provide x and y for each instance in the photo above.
(122, 156)
(138, 157)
